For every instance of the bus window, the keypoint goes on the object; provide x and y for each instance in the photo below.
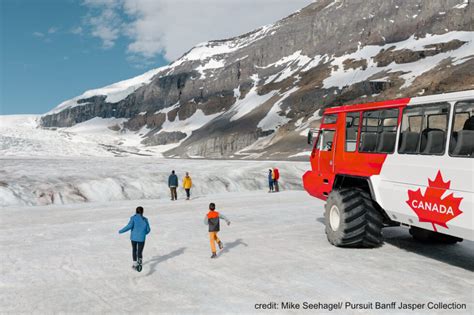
(423, 129)
(461, 142)
(325, 140)
(352, 130)
(378, 132)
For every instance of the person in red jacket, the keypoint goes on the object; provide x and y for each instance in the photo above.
(276, 178)
(212, 219)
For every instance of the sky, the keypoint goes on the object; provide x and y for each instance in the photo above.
(53, 50)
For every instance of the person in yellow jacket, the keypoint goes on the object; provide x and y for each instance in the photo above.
(187, 184)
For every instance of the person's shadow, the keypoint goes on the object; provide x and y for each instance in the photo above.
(158, 259)
(231, 245)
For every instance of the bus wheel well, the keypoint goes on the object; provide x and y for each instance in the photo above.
(346, 181)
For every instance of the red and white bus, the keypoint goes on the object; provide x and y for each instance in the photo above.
(406, 161)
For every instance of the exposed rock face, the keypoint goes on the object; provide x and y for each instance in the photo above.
(258, 92)
(386, 57)
(163, 138)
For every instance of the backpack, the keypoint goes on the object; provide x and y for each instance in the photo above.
(276, 173)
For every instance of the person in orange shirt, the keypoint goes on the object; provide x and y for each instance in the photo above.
(212, 220)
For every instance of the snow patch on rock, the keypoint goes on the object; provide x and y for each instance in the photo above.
(274, 119)
(251, 101)
(341, 78)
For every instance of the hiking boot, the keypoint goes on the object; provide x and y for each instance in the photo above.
(214, 255)
(139, 261)
(221, 246)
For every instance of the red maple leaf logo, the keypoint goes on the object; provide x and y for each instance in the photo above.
(430, 207)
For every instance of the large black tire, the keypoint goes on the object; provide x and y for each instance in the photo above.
(426, 236)
(360, 224)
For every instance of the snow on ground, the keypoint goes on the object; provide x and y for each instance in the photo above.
(72, 259)
(42, 181)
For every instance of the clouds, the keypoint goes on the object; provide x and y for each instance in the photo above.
(77, 30)
(104, 20)
(38, 34)
(172, 27)
(47, 35)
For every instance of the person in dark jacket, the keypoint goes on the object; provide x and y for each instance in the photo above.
(140, 227)
(212, 219)
(173, 185)
(270, 181)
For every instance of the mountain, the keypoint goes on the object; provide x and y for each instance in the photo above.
(254, 96)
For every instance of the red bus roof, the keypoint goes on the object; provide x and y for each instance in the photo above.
(367, 106)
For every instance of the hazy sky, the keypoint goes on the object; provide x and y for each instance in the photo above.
(53, 50)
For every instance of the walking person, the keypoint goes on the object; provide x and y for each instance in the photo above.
(173, 185)
(187, 184)
(276, 178)
(270, 181)
(212, 219)
(140, 227)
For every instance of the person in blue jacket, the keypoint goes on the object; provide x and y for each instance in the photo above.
(140, 227)
(270, 181)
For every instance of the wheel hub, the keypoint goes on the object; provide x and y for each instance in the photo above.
(334, 218)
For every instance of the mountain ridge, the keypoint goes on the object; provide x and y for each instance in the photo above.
(255, 95)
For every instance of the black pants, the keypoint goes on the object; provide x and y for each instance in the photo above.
(188, 192)
(137, 250)
(174, 193)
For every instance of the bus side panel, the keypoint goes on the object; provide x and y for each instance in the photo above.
(432, 192)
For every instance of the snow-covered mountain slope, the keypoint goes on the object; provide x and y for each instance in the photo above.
(254, 96)
(113, 93)
(22, 136)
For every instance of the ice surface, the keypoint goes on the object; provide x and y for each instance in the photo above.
(71, 259)
(42, 181)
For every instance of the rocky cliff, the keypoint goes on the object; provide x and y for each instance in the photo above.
(255, 95)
